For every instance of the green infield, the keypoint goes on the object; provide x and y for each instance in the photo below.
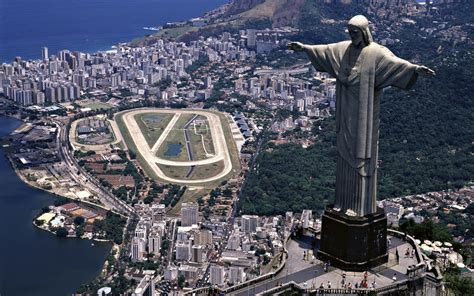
(200, 138)
(174, 146)
(152, 125)
(197, 173)
(132, 147)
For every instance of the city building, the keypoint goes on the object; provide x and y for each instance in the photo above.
(236, 275)
(183, 252)
(189, 214)
(154, 243)
(217, 275)
(197, 253)
(249, 223)
(138, 249)
(44, 53)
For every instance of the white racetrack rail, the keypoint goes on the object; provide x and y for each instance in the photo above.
(218, 139)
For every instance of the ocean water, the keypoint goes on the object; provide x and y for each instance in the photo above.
(85, 25)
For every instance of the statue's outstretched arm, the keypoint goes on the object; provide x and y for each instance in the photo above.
(425, 71)
(296, 46)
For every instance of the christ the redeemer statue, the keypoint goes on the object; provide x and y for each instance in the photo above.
(362, 69)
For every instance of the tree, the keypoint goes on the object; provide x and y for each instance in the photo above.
(61, 232)
(61, 201)
(80, 231)
(458, 284)
(149, 199)
(181, 281)
(79, 220)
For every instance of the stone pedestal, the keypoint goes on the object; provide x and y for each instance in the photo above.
(353, 243)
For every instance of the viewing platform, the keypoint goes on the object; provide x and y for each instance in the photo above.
(407, 271)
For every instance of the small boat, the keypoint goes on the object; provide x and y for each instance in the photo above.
(92, 244)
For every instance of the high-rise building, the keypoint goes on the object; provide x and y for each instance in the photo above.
(251, 38)
(44, 53)
(138, 249)
(197, 252)
(183, 251)
(217, 275)
(171, 273)
(189, 214)
(140, 232)
(154, 243)
(249, 223)
(207, 82)
(234, 242)
(236, 275)
(307, 217)
(204, 237)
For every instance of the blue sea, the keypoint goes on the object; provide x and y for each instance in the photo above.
(85, 25)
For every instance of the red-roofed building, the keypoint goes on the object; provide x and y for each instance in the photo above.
(69, 207)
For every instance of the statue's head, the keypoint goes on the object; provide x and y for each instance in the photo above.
(358, 27)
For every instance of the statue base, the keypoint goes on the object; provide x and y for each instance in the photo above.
(353, 243)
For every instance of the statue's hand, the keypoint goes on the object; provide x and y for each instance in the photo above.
(296, 46)
(425, 71)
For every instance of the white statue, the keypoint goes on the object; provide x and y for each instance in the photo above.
(362, 69)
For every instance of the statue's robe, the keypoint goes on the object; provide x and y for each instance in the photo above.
(359, 85)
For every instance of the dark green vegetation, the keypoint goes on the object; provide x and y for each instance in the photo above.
(427, 230)
(457, 283)
(291, 178)
(425, 145)
(111, 227)
(426, 134)
(119, 284)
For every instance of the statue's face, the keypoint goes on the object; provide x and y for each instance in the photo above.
(356, 35)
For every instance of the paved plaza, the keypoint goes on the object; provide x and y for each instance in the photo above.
(311, 273)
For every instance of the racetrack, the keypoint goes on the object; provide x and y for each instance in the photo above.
(219, 143)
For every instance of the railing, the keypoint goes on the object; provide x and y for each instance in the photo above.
(413, 270)
(245, 284)
(410, 240)
(397, 288)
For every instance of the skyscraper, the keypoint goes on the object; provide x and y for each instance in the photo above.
(217, 275)
(138, 249)
(249, 223)
(236, 275)
(44, 53)
(197, 252)
(154, 243)
(183, 251)
(189, 214)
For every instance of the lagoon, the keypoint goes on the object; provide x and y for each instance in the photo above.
(33, 261)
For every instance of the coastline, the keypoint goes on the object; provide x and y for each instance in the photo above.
(115, 249)
(97, 34)
(24, 180)
(20, 206)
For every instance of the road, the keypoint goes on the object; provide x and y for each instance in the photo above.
(218, 138)
(83, 178)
